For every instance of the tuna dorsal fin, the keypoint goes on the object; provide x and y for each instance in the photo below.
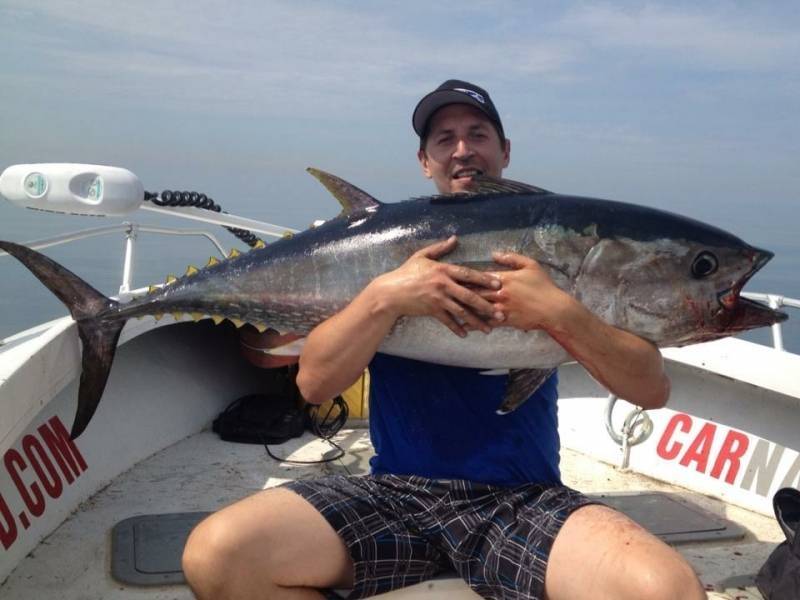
(493, 185)
(349, 196)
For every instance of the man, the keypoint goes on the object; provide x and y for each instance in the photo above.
(454, 486)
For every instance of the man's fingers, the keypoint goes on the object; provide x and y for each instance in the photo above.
(493, 296)
(466, 317)
(512, 259)
(496, 322)
(438, 249)
(470, 299)
(474, 278)
(449, 322)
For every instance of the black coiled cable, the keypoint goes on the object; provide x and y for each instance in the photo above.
(323, 426)
(198, 200)
(334, 419)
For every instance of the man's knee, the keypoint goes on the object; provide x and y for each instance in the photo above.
(619, 560)
(209, 555)
(262, 542)
(672, 579)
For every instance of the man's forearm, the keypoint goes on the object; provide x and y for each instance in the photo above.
(630, 367)
(339, 349)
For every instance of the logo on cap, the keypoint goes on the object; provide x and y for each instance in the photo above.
(471, 93)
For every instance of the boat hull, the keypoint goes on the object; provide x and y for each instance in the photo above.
(729, 429)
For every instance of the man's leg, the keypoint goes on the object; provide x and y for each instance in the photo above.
(601, 554)
(273, 544)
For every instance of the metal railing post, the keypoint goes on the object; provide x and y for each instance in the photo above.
(775, 302)
(127, 266)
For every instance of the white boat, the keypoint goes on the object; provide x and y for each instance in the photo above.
(701, 472)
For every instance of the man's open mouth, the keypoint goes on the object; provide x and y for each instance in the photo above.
(470, 172)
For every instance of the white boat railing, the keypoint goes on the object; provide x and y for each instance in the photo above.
(132, 230)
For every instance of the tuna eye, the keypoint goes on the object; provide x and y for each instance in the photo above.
(704, 265)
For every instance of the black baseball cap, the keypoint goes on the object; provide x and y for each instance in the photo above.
(455, 91)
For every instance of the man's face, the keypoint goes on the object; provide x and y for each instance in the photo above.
(462, 143)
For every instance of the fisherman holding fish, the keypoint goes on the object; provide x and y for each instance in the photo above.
(454, 486)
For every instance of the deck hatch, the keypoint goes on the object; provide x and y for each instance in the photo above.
(146, 550)
(671, 518)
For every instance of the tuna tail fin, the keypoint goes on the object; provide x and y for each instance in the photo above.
(99, 333)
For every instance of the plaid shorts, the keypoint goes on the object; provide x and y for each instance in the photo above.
(401, 530)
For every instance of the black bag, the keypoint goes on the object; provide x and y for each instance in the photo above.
(261, 419)
(779, 578)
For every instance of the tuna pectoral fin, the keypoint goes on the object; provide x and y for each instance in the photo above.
(521, 384)
(95, 316)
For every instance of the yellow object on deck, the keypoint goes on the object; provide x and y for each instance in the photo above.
(357, 397)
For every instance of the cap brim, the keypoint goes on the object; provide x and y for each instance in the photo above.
(436, 100)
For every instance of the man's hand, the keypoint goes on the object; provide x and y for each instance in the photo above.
(528, 298)
(627, 365)
(423, 286)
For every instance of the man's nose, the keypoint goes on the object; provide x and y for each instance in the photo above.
(463, 150)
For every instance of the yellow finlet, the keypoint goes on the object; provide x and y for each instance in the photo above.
(217, 319)
(177, 315)
(158, 316)
(238, 322)
(261, 327)
(191, 270)
(212, 260)
(287, 235)
(170, 279)
(196, 316)
(152, 289)
(259, 245)
(234, 253)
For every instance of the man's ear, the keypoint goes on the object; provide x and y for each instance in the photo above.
(507, 153)
(422, 157)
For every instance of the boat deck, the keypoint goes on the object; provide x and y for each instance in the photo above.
(202, 473)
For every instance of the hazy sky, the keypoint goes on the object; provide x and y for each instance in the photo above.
(690, 106)
(676, 104)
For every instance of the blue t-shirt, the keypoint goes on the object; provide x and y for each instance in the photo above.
(440, 422)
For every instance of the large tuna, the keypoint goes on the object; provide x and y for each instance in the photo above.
(666, 278)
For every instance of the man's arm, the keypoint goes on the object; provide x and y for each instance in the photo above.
(338, 350)
(630, 367)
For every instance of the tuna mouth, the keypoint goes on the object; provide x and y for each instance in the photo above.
(730, 298)
(743, 313)
(750, 314)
